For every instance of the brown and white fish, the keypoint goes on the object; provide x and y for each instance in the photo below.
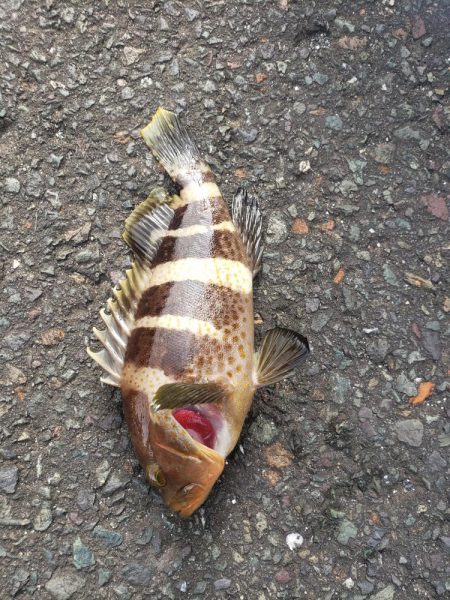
(179, 329)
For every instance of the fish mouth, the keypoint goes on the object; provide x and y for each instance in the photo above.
(205, 424)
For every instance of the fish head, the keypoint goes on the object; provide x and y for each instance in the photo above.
(183, 469)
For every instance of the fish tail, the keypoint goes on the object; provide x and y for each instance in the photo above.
(171, 145)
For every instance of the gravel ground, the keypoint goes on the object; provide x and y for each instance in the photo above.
(334, 113)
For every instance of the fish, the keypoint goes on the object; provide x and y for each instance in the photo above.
(179, 329)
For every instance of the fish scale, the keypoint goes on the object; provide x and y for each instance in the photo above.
(180, 339)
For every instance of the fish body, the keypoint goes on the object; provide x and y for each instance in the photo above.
(181, 331)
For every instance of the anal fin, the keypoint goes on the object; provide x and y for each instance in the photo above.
(281, 352)
(247, 218)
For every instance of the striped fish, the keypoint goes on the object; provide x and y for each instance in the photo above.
(179, 338)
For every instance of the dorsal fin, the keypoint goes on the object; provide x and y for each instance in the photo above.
(141, 234)
(154, 214)
(247, 218)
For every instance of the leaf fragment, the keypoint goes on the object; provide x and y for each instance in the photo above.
(339, 276)
(300, 226)
(425, 390)
(418, 281)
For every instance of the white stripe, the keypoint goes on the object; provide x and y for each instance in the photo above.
(195, 326)
(193, 230)
(223, 272)
(196, 191)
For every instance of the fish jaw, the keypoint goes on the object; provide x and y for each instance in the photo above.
(187, 469)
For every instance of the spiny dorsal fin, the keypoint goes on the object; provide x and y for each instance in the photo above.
(247, 218)
(282, 351)
(119, 322)
(154, 214)
(170, 143)
(177, 395)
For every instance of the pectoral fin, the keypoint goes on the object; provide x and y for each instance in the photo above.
(247, 218)
(178, 395)
(282, 351)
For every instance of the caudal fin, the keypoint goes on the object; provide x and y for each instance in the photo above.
(170, 143)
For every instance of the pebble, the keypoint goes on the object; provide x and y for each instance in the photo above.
(44, 518)
(115, 483)
(109, 538)
(136, 574)
(334, 122)
(11, 185)
(82, 556)
(103, 577)
(405, 386)
(34, 185)
(346, 530)
(277, 230)
(9, 477)
(64, 584)
(263, 430)
(386, 593)
(340, 387)
(222, 584)
(410, 431)
(432, 344)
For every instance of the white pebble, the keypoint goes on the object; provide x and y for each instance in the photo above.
(294, 540)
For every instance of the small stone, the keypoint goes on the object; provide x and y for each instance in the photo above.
(102, 472)
(18, 581)
(8, 479)
(277, 230)
(122, 592)
(346, 531)
(82, 556)
(34, 185)
(410, 431)
(136, 574)
(384, 153)
(407, 133)
(340, 387)
(405, 386)
(378, 349)
(68, 14)
(248, 135)
(127, 93)
(418, 28)
(44, 518)
(319, 320)
(437, 462)
(431, 342)
(436, 205)
(131, 55)
(85, 499)
(115, 483)
(299, 107)
(334, 122)
(263, 430)
(283, 576)
(389, 275)
(320, 78)
(109, 538)
(103, 577)
(64, 584)
(11, 185)
(222, 584)
(386, 593)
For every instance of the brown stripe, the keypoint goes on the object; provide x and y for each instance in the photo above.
(173, 351)
(219, 305)
(135, 408)
(209, 212)
(212, 244)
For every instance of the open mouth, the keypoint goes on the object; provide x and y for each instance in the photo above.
(205, 424)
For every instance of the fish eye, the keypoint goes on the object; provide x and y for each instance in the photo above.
(155, 475)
